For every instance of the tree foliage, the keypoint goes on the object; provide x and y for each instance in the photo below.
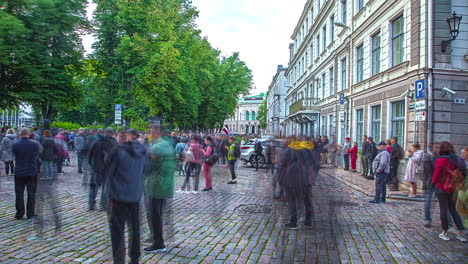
(262, 114)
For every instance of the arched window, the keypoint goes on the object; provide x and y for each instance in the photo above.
(253, 116)
(253, 129)
(247, 115)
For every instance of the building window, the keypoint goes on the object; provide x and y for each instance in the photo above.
(376, 53)
(307, 59)
(360, 5)
(397, 41)
(376, 122)
(331, 81)
(343, 74)
(332, 28)
(318, 45)
(247, 115)
(254, 117)
(331, 122)
(307, 24)
(360, 63)
(398, 121)
(322, 129)
(359, 125)
(311, 54)
(323, 85)
(324, 38)
(344, 10)
(317, 85)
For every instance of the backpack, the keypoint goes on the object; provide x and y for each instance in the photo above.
(454, 179)
(212, 159)
(238, 152)
(189, 156)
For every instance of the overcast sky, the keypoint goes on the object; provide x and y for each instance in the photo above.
(260, 30)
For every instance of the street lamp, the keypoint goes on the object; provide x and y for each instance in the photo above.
(454, 25)
(340, 24)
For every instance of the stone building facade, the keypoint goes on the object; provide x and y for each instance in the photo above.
(245, 119)
(355, 67)
(275, 103)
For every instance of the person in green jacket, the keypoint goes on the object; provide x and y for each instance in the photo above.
(158, 186)
(232, 155)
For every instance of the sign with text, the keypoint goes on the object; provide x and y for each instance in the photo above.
(420, 105)
(420, 116)
(341, 98)
(118, 114)
(420, 87)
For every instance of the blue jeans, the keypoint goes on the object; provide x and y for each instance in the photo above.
(346, 161)
(381, 186)
(428, 205)
(48, 169)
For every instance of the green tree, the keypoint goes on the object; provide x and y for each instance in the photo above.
(262, 114)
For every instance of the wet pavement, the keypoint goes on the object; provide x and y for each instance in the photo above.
(239, 223)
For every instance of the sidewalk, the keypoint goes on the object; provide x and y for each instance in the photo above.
(366, 187)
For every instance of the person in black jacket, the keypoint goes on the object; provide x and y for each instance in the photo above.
(365, 148)
(395, 156)
(370, 155)
(98, 158)
(26, 152)
(48, 155)
(125, 179)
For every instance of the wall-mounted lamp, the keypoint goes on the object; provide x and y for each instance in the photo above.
(454, 25)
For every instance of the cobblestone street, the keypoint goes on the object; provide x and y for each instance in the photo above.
(236, 224)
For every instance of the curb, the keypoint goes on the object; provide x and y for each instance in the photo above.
(363, 191)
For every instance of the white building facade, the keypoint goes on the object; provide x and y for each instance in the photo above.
(352, 60)
(276, 111)
(245, 119)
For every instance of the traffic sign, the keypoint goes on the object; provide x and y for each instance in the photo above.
(420, 116)
(118, 107)
(341, 98)
(420, 105)
(420, 87)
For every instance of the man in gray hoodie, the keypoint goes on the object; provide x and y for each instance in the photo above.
(125, 178)
(381, 166)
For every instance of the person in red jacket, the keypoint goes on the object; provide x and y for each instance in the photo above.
(353, 153)
(448, 174)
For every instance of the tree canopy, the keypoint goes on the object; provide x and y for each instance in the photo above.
(148, 56)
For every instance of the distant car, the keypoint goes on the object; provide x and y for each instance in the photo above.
(247, 153)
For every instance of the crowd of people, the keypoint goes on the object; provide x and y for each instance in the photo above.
(129, 166)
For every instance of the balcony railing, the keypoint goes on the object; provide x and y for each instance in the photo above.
(307, 104)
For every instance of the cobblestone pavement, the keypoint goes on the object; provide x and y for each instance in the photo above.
(235, 224)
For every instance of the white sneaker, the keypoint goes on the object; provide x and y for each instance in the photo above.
(194, 192)
(180, 191)
(444, 236)
(461, 238)
(452, 230)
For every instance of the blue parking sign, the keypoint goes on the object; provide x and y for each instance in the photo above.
(118, 107)
(341, 98)
(420, 87)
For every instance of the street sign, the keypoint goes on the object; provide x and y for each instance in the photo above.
(420, 87)
(420, 105)
(411, 106)
(420, 116)
(118, 114)
(341, 98)
(118, 107)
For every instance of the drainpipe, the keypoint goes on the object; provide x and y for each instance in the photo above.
(430, 94)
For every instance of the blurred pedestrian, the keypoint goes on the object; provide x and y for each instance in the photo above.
(125, 182)
(6, 152)
(346, 149)
(180, 149)
(210, 160)
(414, 161)
(98, 159)
(370, 155)
(381, 168)
(353, 152)
(449, 174)
(79, 144)
(60, 142)
(233, 153)
(27, 154)
(48, 155)
(159, 185)
(365, 148)
(430, 159)
(389, 145)
(193, 159)
(332, 151)
(396, 155)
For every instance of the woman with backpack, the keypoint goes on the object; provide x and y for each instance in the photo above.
(210, 160)
(193, 159)
(448, 177)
